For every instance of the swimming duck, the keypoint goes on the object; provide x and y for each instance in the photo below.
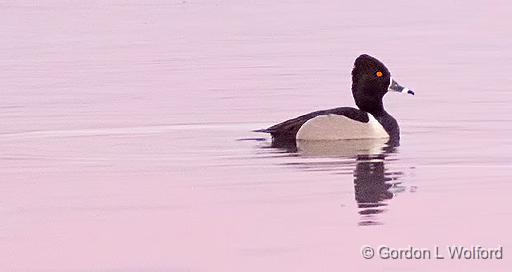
(371, 80)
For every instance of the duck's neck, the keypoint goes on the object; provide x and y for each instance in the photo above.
(375, 108)
(378, 111)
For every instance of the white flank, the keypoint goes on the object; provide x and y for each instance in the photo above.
(342, 148)
(339, 127)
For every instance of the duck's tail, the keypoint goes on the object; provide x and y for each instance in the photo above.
(265, 130)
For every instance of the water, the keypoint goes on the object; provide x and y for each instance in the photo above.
(126, 143)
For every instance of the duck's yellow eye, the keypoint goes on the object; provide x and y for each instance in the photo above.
(378, 74)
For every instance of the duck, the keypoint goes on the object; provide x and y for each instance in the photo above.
(371, 81)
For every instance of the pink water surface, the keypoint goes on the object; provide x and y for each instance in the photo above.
(126, 143)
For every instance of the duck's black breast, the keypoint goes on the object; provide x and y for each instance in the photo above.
(390, 124)
(287, 130)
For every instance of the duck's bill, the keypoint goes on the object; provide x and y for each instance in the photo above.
(395, 87)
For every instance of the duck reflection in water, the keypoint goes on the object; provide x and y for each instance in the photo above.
(374, 184)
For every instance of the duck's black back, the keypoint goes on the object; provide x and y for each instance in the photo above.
(287, 130)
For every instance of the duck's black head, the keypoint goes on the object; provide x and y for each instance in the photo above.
(371, 80)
